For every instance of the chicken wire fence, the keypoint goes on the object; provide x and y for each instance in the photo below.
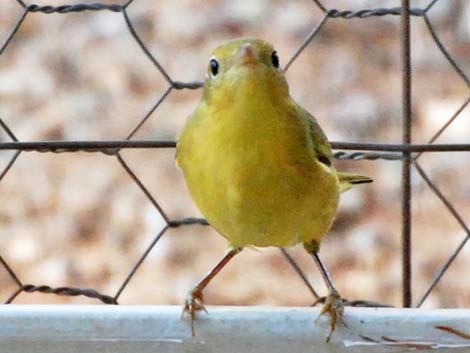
(406, 152)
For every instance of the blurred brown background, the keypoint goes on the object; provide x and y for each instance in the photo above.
(77, 219)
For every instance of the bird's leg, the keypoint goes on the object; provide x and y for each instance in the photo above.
(301, 274)
(333, 302)
(194, 301)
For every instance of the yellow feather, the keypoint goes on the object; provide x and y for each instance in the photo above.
(257, 164)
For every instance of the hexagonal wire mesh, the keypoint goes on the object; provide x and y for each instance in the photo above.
(405, 152)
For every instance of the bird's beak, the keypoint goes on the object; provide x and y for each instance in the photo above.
(247, 55)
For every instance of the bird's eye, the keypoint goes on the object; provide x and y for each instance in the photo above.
(275, 59)
(214, 67)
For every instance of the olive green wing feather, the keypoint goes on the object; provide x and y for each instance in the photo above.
(317, 137)
(324, 155)
(321, 146)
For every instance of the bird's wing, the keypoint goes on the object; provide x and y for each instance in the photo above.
(325, 155)
(177, 155)
(182, 135)
(320, 143)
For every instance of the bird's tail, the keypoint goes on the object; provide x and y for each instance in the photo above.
(348, 180)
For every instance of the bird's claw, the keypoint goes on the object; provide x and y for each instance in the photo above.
(193, 303)
(333, 305)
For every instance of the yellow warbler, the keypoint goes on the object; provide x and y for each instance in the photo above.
(257, 164)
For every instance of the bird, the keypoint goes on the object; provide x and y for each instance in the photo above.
(258, 165)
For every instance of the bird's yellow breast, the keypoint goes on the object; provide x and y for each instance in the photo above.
(252, 172)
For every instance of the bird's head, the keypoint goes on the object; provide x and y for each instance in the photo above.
(246, 66)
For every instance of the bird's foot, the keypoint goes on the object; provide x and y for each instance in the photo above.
(333, 305)
(194, 302)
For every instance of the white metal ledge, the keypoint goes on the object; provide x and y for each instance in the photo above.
(139, 329)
